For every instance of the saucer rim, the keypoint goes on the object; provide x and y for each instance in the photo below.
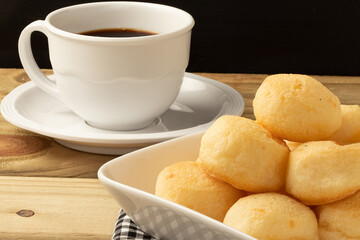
(17, 119)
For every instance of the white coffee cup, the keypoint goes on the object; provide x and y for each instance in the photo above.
(113, 83)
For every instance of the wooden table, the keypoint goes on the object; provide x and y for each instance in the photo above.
(48, 191)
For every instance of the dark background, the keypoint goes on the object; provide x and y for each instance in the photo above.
(234, 36)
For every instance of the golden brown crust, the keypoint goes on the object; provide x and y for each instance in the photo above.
(323, 172)
(273, 216)
(340, 220)
(187, 184)
(297, 108)
(350, 125)
(244, 154)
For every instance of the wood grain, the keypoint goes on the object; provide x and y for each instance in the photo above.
(18, 145)
(21, 154)
(55, 208)
(71, 204)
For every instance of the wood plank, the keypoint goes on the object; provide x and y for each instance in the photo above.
(80, 208)
(23, 153)
(64, 208)
(54, 160)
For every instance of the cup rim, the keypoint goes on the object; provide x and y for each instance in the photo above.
(75, 36)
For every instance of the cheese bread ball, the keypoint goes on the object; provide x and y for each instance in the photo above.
(243, 153)
(272, 216)
(340, 220)
(350, 125)
(187, 184)
(297, 108)
(323, 172)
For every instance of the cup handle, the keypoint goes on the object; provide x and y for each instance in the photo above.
(28, 61)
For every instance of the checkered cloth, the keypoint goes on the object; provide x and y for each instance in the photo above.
(126, 229)
(169, 224)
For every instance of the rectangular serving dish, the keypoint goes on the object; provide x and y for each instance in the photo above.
(131, 180)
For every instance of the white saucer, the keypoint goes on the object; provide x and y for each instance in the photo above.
(200, 102)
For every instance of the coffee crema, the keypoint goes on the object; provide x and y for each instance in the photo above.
(118, 32)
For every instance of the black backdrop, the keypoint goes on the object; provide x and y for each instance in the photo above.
(238, 36)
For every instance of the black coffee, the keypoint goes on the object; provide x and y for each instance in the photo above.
(118, 32)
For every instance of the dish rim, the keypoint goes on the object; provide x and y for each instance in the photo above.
(105, 180)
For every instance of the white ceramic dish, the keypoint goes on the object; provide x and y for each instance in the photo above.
(131, 180)
(200, 102)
